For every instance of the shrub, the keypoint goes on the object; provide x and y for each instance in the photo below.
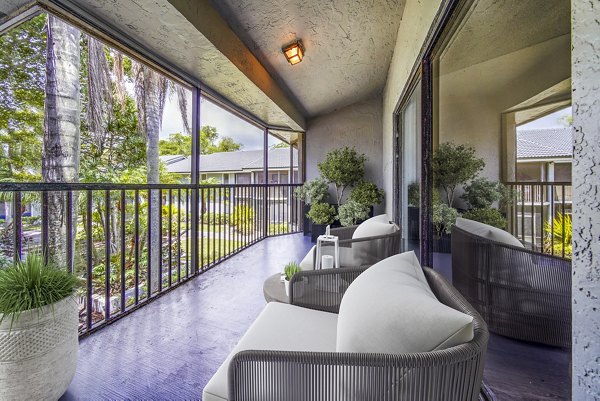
(313, 191)
(351, 212)
(367, 194)
(562, 231)
(215, 218)
(481, 193)
(32, 284)
(242, 218)
(321, 213)
(290, 269)
(343, 168)
(444, 217)
(454, 165)
(278, 228)
(414, 194)
(488, 215)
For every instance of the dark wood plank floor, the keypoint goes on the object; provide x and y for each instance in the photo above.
(169, 349)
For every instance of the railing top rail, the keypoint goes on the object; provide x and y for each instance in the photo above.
(80, 186)
(537, 183)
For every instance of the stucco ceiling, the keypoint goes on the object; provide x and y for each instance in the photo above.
(349, 45)
(160, 28)
(495, 28)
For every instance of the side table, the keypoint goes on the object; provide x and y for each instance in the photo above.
(274, 289)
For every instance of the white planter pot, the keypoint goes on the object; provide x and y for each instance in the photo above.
(298, 288)
(38, 355)
(287, 288)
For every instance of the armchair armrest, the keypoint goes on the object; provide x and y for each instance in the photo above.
(322, 289)
(344, 233)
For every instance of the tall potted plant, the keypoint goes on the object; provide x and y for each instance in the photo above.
(343, 168)
(367, 194)
(38, 330)
(312, 191)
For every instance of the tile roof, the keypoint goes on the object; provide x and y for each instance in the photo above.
(231, 161)
(545, 143)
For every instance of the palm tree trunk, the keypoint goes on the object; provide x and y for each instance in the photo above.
(60, 157)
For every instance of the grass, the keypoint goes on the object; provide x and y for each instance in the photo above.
(32, 284)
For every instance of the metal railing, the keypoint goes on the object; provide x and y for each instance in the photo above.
(131, 243)
(539, 214)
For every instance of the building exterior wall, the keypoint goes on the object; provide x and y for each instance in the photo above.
(417, 19)
(586, 214)
(358, 125)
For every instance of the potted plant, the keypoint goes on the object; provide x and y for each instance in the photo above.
(367, 194)
(321, 214)
(443, 218)
(343, 168)
(414, 205)
(352, 212)
(479, 196)
(312, 191)
(38, 330)
(289, 270)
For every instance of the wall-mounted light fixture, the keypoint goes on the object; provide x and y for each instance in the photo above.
(294, 52)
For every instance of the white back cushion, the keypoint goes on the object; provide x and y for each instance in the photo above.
(368, 252)
(391, 309)
(487, 231)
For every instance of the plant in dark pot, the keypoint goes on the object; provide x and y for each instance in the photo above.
(321, 214)
(480, 195)
(443, 218)
(344, 168)
(312, 191)
(367, 194)
(39, 318)
(352, 212)
(414, 204)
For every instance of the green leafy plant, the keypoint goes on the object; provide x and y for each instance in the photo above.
(343, 168)
(487, 215)
(481, 193)
(290, 269)
(414, 194)
(32, 284)
(313, 191)
(444, 217)
(351, 212)
(559, 236)
(367, 194)
(321, 213)
(242, 218)
(454, 165)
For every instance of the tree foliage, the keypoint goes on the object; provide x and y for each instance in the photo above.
(454, 165)
(313, 191)
(487, 215)
(321, 213)
(482, 193)
(367, 194)
(343, 168)
(352, 212)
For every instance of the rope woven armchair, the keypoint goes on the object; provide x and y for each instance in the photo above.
(451, 374)
(520, 293)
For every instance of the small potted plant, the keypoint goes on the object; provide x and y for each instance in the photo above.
(321, 214)
(289, 270)
(39, 318)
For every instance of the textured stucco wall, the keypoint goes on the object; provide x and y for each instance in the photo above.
(586, 199)
(417, 19)
(357, 125)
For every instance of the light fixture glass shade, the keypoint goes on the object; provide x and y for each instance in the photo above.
(294, 52)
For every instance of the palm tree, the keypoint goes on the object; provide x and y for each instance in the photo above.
(60, 156)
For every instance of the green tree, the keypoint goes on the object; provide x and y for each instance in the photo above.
(454, 165)
(343, 168)
(177, 144)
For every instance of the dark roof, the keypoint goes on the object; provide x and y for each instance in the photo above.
(231, 161)
(546, 143)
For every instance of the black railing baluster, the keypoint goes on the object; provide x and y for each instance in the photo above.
(123, 249)
(89, 258)
(542, 231)
(17, 227)
(187, 233)
(160, 239)
(553, 215)
(532, 192)
(107, 253)
(136, 244)
(69, 231)
(523, 213)
(149, 246)
(45, 228)
(563, 221)
(170, 235)
(178, 235)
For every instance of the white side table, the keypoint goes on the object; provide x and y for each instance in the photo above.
(327, 239)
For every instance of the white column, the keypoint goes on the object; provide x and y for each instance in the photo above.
(586, 199)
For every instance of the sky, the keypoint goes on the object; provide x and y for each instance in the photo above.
(226, 123)
(550, 121)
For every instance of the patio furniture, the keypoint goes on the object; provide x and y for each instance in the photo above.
(520, 293)
(362, 245)
(374, 343)
(274, 289)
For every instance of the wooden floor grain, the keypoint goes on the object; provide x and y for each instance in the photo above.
(169, 349)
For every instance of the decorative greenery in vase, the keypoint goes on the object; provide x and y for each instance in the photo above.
(290, 269)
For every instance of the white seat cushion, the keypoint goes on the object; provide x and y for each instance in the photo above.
(487, 231)
(370, 252)
(279, 327)
(391, 309)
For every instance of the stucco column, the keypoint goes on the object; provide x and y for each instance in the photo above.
(586, 199)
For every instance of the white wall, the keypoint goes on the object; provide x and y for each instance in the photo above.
(357, 125)
(417, 19)
(586, 213)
